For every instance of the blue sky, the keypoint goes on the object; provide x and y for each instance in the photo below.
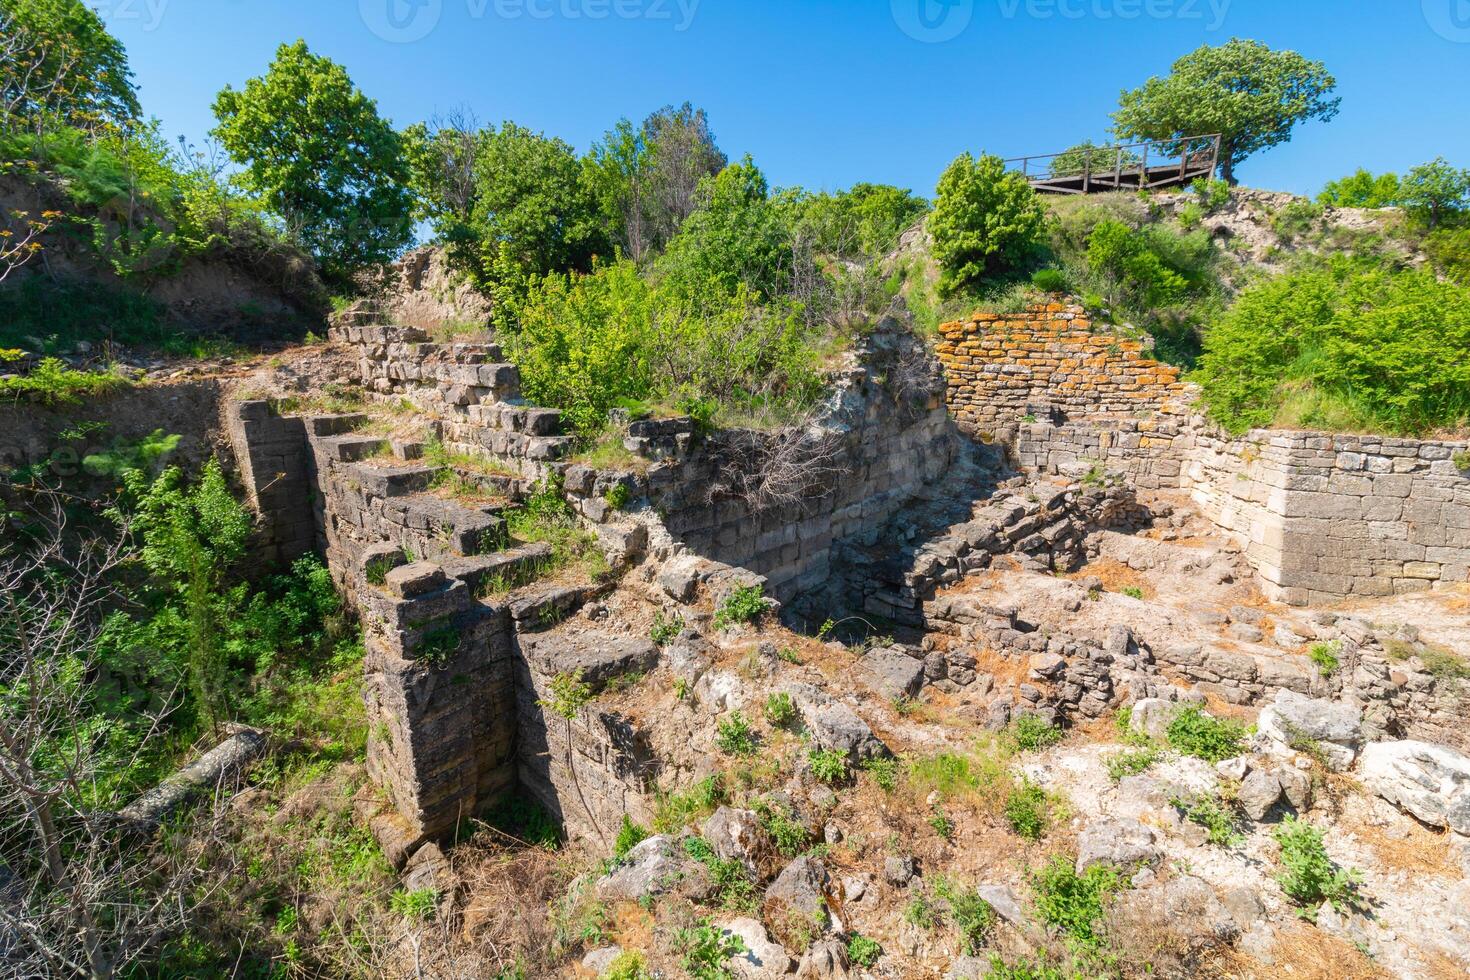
(825, 93)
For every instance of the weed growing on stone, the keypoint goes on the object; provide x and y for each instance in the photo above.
(628, 965)
(1129, 763)
(1195, 733)
(829, 766)
(862, 951)
(1324, 655)
(1210, 813)
(921, 913)
(1133, 592)
(666, 628)
(705, 947)
(1075, 903)
(630, 835)
(973, 917)
(1308, 876)
(788, 834)
(943, 826)
(884, 773)
(733, 885)
(675, 811)
(736, 737)
(1029, 733)
(780, 710)
(1027, 810)
(416, 906)
(744, 605)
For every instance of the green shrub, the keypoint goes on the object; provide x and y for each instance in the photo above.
(1324, 655)
(1378, 347)
(1133, 592)
(53, 383)
(1027, 810)
(666, 627)
(987, 220)
(630, 835)
(675, 811)
(1029, 733)
(973, 917)
(779, 708)
(788, 834)
(1362, 189)
(1075, 903)
(1211, 814)
(1049, 280)
(417, 906)
(569, 694)
(883, 771)
(746, 604)
(829, 766)
(736, 737)
(705, 947)
(921, 913)
(627, 965)
(1195, 733)
(862, 951)
(1129, 763)
(1040, 968)
(1308, 876)
(734, 888)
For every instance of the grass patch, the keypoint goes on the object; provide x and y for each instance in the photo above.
(1075, 903)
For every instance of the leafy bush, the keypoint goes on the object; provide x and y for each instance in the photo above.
(630, 835)
(973, 917)
(883, 771)
(676, 810)
(1385, 343)
(1207, 811)
(705, 947)
(1129, 763)
(1029, 733)
(1309, 877)
(862, 951)
(1324, 655)
(1049, 280)
(1027, 810)
(1075, 903)
(779, 708)
(736, 737)
(829, 765)
(1362, 189)
(863, 222)
(986, 221)
(417, 906)
(53, 383)
(788, 834)
(628, 965)
(1195, 733)
(746, 604)
(666, 628)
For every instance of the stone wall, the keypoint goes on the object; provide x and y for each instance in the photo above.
(1322, 517)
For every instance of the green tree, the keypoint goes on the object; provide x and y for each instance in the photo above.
(1436, 193)
(864, 221)
(646, 179)
(737, 236)
(57, 58)
(533, 213)
(1251, 95)
(1078, 159)
(316, 150)
(1362, 189)
(986, 220)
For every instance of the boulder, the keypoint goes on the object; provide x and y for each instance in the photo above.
(598, 960)
(893, 673)
(1153, 716)
(834, 725)
(762, 959)
(800, 889)
(1259, 792)
(1119, 841)
(736, 835)
(898, 871)
(1335, 727)
(1297, 785)
(1432, 782)
(656, 866)
(826, 960)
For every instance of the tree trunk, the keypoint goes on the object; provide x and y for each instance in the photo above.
(1227, 165)
(97, 958)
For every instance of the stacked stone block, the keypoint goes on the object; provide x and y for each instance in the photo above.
(270, 453)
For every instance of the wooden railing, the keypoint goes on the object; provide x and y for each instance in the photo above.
(1128, 166)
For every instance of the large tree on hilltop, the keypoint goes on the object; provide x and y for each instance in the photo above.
(58, 59)
(1251, 95)
(315, 148)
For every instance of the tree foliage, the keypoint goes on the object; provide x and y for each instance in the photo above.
(1251, 95)
(986, 220)
(1362, 189)
(315, 149)
(1436, 193)
(863, 222)
(57, 60)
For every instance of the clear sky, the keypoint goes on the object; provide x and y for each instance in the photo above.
(824, 93)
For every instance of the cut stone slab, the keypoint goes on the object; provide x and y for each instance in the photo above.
(597, 657)
(1430, 781)
(833, 725)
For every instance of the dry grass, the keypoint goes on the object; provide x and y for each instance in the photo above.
(1302, 953)
(1115, 577)
(1420, 851)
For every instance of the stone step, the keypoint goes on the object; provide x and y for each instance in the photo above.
(518, 418)
(439, 529)
(334, 425)
(393, 481)
(514, 567)
(351, 448)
